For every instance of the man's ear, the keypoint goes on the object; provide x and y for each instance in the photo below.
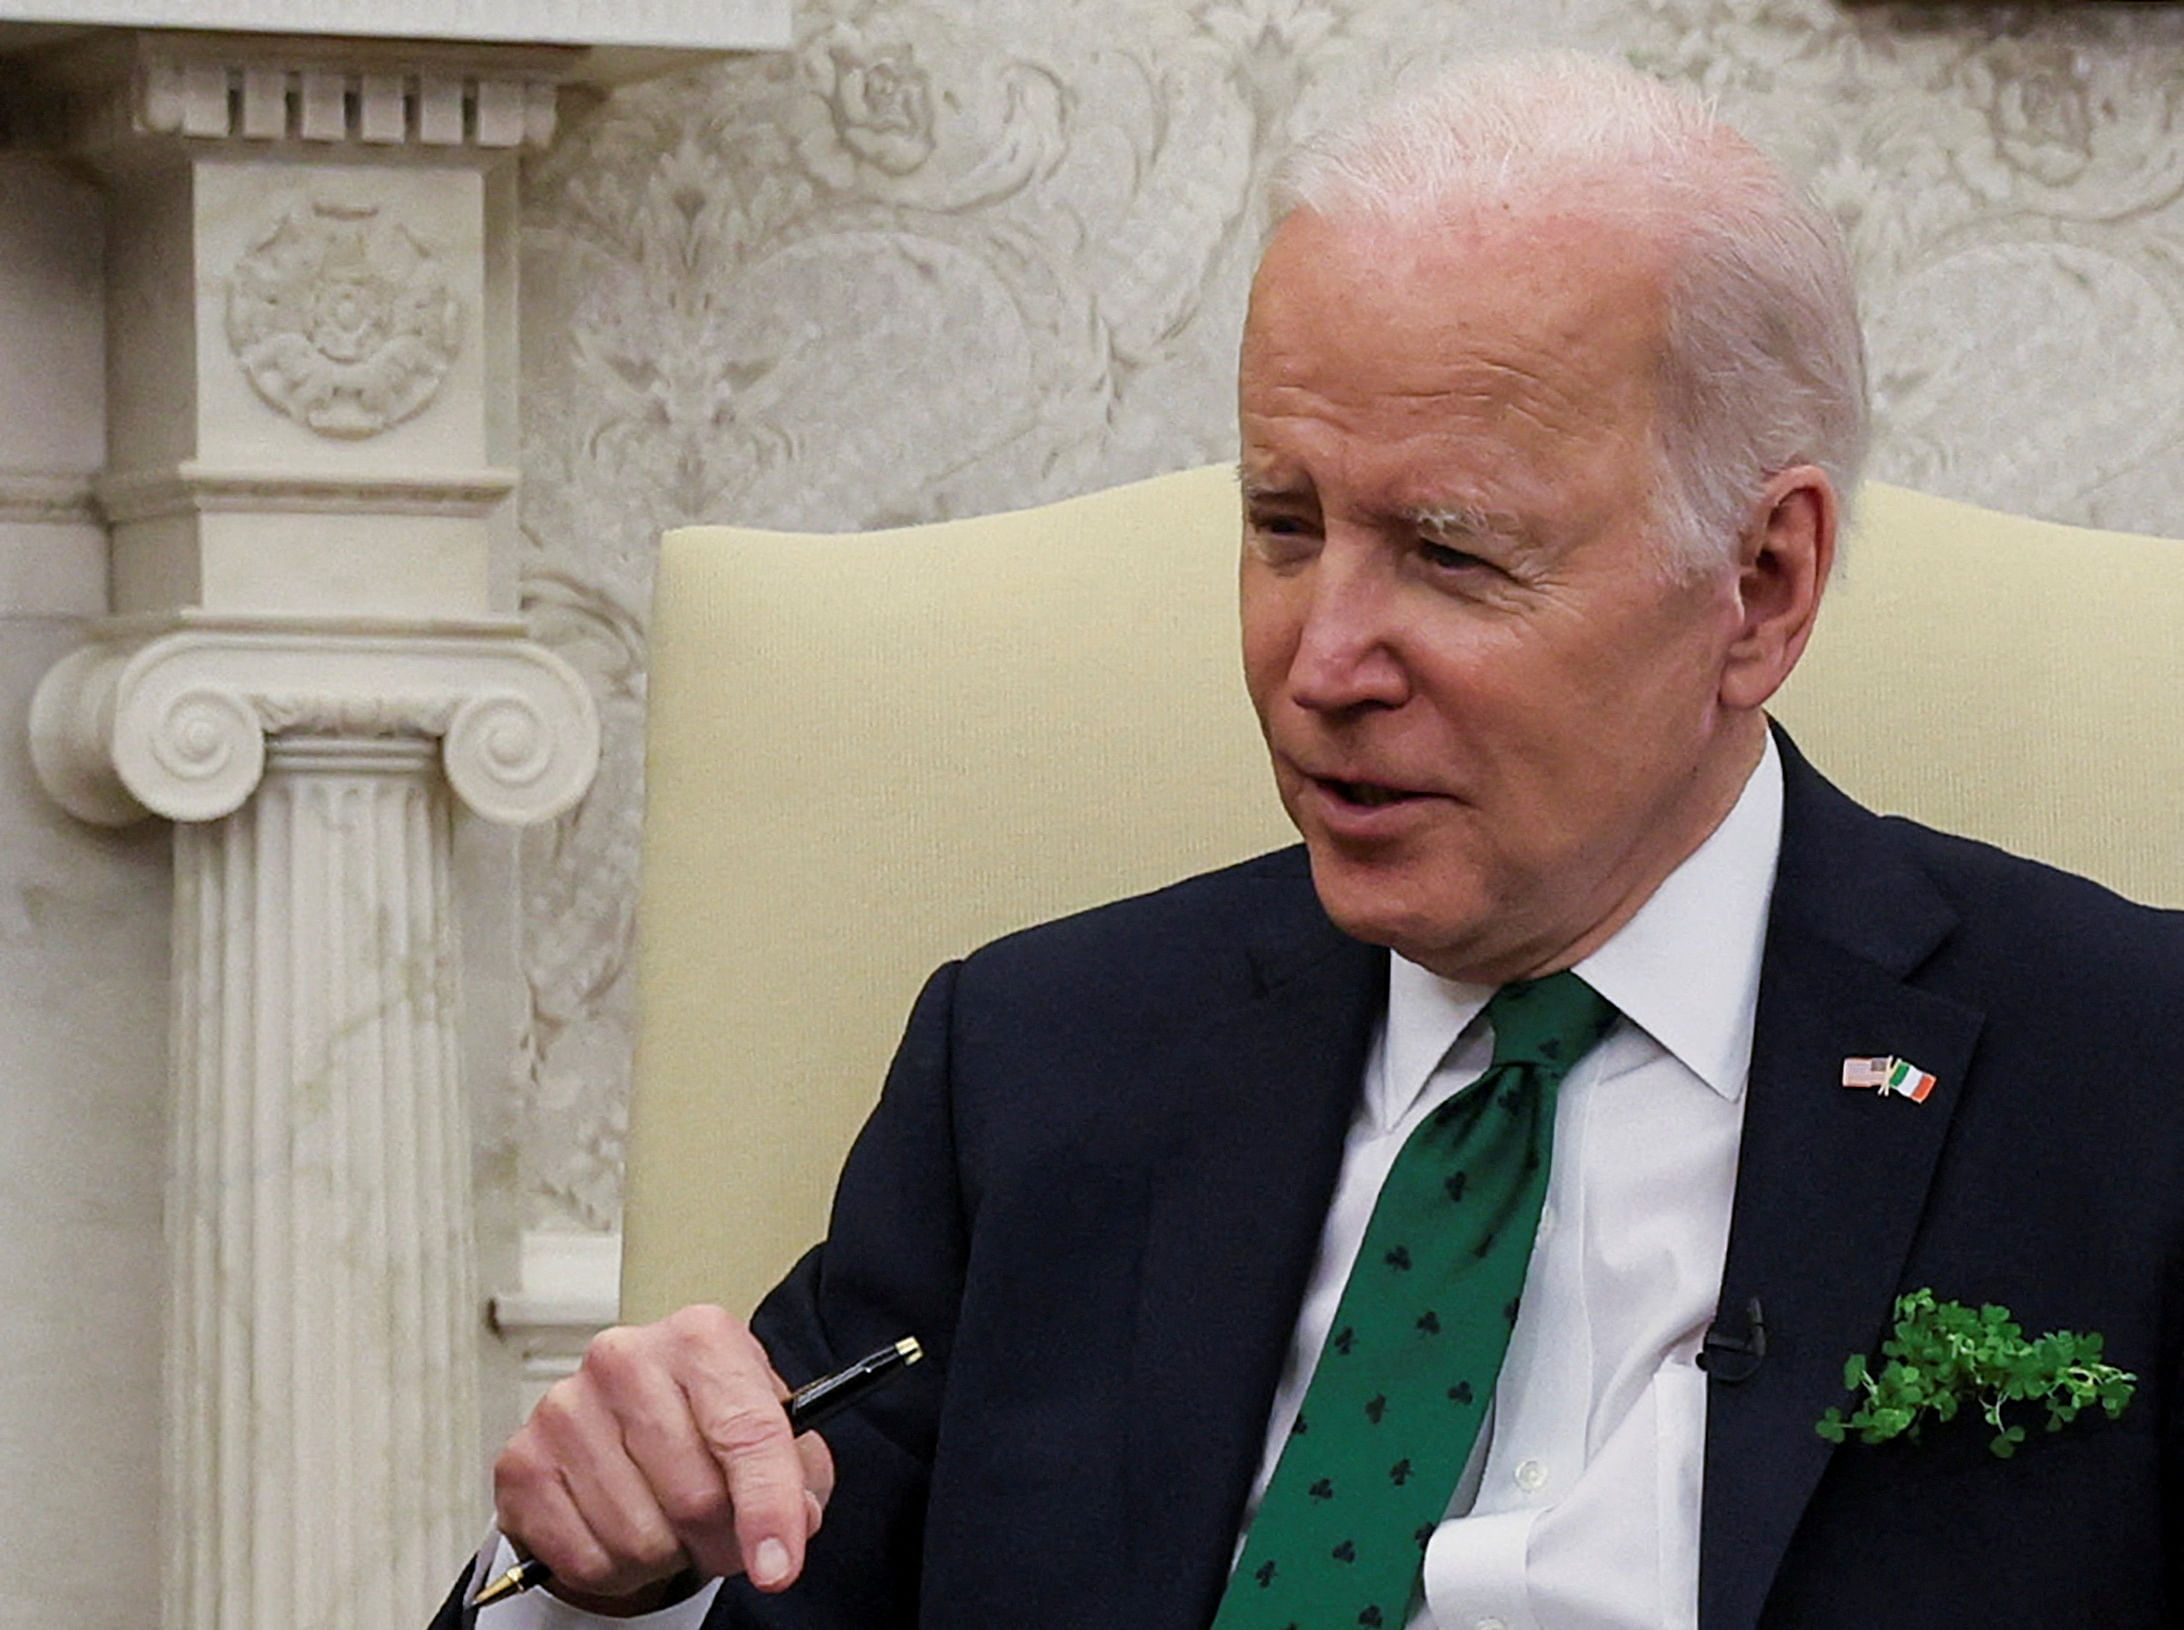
(1783, 561)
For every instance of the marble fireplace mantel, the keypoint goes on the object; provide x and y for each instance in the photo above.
(299, 643)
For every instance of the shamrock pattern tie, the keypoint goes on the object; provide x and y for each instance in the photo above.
(1411, 1359)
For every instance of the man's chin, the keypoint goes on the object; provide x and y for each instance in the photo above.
(1389, 905)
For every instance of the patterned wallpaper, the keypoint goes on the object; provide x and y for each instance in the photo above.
(960, 255)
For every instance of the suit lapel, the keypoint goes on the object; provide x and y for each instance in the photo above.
(1830, 1181)
(1236, 1214)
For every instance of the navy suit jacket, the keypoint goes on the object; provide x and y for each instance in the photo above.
(1095, 1183)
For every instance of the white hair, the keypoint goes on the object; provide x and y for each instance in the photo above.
(1763, 366)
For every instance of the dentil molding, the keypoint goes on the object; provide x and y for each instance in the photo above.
(174, 721)
(99, 91)
(381, 74)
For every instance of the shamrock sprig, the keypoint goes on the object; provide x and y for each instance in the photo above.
(1945, 1355)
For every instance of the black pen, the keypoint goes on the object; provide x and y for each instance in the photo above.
(808, 1405)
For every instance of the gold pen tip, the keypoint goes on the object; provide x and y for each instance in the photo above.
(910, 1350)
(506, 1585)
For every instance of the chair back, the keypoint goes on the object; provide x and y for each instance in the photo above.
(867, 754)
(2009, 679)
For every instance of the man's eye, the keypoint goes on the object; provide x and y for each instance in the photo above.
(1280, 538)
(1447, 557)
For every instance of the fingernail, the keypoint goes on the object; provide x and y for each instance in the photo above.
(771, 1565)
(815, 1513)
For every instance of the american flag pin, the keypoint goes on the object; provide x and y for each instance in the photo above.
(1868, 1074)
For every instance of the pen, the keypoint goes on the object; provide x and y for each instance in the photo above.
(808, 1405)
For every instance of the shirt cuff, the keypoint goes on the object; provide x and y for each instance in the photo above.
(542, 1610)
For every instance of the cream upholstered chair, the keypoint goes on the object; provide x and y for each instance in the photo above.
(866, 754)
(870, 753)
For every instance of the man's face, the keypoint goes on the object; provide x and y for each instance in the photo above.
(1496, 719)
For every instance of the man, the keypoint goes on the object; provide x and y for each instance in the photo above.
(1547, 392)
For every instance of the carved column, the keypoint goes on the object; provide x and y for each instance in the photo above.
(317, 1325)
(322, 1446)
(314, 667)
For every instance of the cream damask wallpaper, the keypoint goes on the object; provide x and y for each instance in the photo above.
(959, 255)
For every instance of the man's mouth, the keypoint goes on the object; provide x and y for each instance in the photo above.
(1367, 794)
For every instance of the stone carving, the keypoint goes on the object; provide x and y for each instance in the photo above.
(394, 713)
(178, 725)
(314, 1010)
(41, 497)
(927, 268)
(204, 744)
(344, 321)
(131, 496)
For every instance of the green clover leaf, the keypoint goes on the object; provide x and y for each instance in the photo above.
(1942, 1355)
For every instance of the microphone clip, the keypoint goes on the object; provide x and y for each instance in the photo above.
(1734, 1359)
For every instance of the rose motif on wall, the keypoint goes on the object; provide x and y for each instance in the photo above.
(342, 320)
(907, 106)
(2039, 109)
(883, 109)
(878, 98)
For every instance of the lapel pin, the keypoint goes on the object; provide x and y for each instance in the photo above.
(1907, 1080)
(1888, 1075)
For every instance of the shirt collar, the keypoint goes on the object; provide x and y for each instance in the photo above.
(1684, 969)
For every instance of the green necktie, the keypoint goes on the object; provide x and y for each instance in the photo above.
(1417, 1342)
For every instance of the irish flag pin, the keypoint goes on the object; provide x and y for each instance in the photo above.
(1907, 1080)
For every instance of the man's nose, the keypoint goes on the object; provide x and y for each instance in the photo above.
(1348, 649)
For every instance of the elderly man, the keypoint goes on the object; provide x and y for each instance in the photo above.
(1215, 1207)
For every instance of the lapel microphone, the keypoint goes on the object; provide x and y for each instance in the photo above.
(1733, 1359)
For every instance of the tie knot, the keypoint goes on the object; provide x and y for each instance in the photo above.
(1551, 1022)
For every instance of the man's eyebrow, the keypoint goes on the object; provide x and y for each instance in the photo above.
(1258, 487)
(1462, 521)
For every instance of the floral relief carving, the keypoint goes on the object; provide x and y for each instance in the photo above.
(868, 117)
(343, 320)
(924, 266)
(879, 100)
(2067, 132)
(2039, 109)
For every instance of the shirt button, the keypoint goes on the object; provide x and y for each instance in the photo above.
(1531, 1477)
(1491, 1624)
(1546, 1225)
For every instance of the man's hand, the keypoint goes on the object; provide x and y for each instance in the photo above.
(668, 1449)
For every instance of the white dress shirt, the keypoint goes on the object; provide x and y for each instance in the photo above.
(1579, 1510)
(1580, 1507)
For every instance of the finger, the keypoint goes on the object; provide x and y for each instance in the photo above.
(818, 1461)
(736, 1401)
(766, 1489)
(622, 1508)
(537, 1515)
(565, 1494)
(669, 1451)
